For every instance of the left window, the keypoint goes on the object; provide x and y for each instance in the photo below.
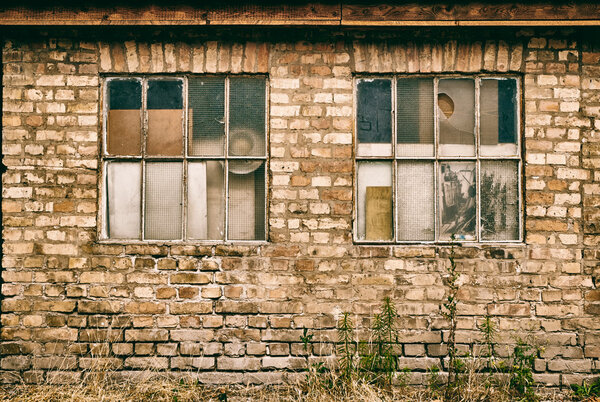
(184, 158)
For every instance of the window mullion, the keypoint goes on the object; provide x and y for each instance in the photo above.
(394, 95)
(477, 163)
(435, 162)
(226, 167)
(143, 161)
(185, 134)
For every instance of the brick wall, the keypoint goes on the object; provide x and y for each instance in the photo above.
(234, 313)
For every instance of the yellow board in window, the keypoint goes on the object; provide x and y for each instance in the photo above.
(379, 213)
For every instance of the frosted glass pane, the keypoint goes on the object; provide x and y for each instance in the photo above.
(206, 200)
(499, 200)
(499, 124)
(415, 201)
(246, 200)
(374, 213)
(456, 117)
(124, 200)
(164, 182)
(124, 118)
(374, 117)
(165, 118)
(457, 200)
(247, 116)
(415, 117)
(207, 116)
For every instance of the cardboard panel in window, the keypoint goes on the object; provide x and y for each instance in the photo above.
(124, 117)
(165, 118)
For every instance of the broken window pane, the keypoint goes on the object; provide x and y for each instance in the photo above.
(165, 117)
(374, 117)
(247, 116)
(246, 206)
(457, 200)
(375, 215)
(206, 116)
(124, 200)
(499, 200)
(499, 115)
(456, 117)
(162, 218)
(415, 201)
(206, 200)
(415, 117)
(124, 119)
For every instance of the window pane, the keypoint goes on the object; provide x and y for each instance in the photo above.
(165, 117)
(498, 105)
(456, 117)
(206, 200)
(124, 200)
(457, 200)
(375, 214)
(374, 117)
(247, 117)
(499, 200)
(415, 117)
(124, 128)
(415, 201)
(162, 218)
(246, 200)
(206, 116)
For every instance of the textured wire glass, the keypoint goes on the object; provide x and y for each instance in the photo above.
(415, 117)
(456, 117)
(246, 116)
(206, 116)
(457, 205)
(499, 200)
(499, 117)
(246, 203)
(124, 200)
(415, 201)
(206, 200)
(124, 117)
(375, 216)
(163, 192)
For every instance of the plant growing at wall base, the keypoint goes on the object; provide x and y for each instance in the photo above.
(346, 349)
(521, 370)
(586, 391)
(449, 313)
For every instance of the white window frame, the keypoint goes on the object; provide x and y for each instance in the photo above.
(185, 158)
(436, 158)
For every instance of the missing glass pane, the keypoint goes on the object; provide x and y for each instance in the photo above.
(124, 200)
(499, 200)
(207, 116)
(206, 200)
(163, 193)
(246, 206)
(165, 117)
(498, 117)
(124, 117)
(415, 117)
(375, 213)
(456, 117)
(374, 117)
(415, 201)
(247, 116)
(457, 200)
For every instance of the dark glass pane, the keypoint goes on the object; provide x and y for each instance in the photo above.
(124, 94)
(165, 94)
(374, 122)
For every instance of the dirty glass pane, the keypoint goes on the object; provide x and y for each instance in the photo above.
(374, 117)
(499, 200)
(124, 199)
(124, 119)
(246, 200)
(164, 182)
(165, 117)
(374, 208)
(415, 117)
(206, 116)
(206, 200)
(415, 201)
(457, 200)
(456, 117)
(498, 127)
(247, 116)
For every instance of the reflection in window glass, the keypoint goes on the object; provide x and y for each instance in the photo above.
(124, 118)
(457, 200)
(375, 215)
(456, 117)
(499, 200)
(415, 117)
(374, 117)
(498, 117)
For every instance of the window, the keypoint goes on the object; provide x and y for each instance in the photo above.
(438, 157)
(184, 158)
